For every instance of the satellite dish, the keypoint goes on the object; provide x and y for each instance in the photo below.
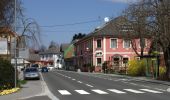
(106, 19)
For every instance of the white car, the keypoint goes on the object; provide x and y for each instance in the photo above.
(50, 67)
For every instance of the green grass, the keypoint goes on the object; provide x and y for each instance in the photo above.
(21, 82)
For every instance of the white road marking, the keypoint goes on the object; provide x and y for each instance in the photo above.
(168, 90)
(145, 86)
(89, 85)
(134, 91)
(68, 77)
(82, 92)
(100, 91)
(79, 81)
(64, 92)
(132, 83)
(116, 91)
(152, 91)
(73, 79)
(159, 89)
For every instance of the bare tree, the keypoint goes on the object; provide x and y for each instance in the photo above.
(53, 45)
(159, 25)
(7, 12)
(153, 17)
(136, 14)
(42, 48)
(30, 34)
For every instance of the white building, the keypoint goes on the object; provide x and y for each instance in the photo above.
(52, 57)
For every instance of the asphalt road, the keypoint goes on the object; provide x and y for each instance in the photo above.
(84, 86)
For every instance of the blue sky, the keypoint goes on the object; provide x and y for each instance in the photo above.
(61, 12)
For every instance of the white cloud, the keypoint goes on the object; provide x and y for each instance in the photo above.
(122, 1)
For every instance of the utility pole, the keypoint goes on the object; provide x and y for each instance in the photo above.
(15, 47)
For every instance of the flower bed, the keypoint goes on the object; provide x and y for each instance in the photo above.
(8, 91)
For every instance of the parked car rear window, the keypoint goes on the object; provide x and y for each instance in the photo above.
(31, 70)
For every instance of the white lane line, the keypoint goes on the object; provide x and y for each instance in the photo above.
(152, 91)
(145, 86)
(159, 89)
(79, 82)
(64, 92)
(68, 77)
(116, 91)
(73, 79)
(89, 85)
(99, 91)
(82, 92)
(132, 83)
(134, 91)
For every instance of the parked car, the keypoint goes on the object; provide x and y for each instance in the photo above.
(31, 73)
(50, 67)
(44, 69)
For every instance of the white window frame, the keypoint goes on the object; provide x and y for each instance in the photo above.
(145, 43)
(111, 42)
(124, 43)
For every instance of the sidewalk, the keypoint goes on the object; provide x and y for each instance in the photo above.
(32, 88)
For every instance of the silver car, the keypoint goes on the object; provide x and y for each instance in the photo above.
(31, 73)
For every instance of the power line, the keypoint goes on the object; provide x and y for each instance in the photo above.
(70, 24)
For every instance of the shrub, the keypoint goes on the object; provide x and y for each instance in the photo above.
(104, 66)
(136, 67)
(162, 72)
(6, 74)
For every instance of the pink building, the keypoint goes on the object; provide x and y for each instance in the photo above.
(106, 44)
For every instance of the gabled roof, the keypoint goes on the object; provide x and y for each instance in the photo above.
(53, 50)
(8, 31)
(34, 57)
(69, 52)
(64, 46)
(118, 27)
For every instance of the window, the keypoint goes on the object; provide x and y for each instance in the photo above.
(142, 43)
(113, 43)
(126, 43)
(99, 61)
(125, 60)
(99, 45)
(116, 61)
(89, 44)
(137, 58)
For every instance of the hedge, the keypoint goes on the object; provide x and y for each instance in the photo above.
(6, 74)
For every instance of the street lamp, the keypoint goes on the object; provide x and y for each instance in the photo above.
(87, 50)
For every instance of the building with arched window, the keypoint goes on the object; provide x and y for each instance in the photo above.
(113, 42)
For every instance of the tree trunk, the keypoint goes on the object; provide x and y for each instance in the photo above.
(167, 61)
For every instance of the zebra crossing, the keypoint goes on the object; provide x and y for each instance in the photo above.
(109, 91)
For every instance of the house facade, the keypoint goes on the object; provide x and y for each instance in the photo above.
(7, 43)
(52, 57)
(107, 44)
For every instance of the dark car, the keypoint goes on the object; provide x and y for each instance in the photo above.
(44, 69)
(31, 73)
